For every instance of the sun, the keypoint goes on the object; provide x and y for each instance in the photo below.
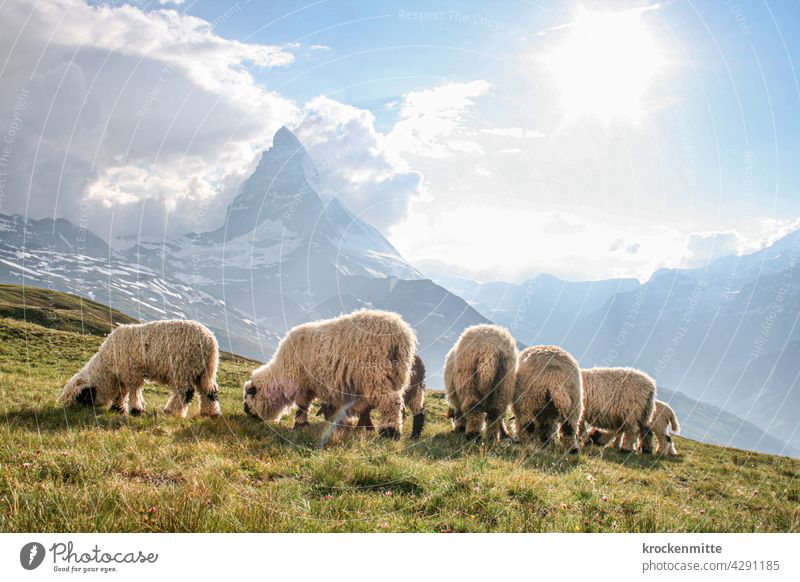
(605, 63)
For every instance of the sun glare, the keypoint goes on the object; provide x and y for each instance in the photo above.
(604, 65)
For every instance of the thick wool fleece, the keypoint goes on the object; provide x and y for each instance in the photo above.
(479, 379)
(353, 362)
(548, 395)
(182, 354)
(619, 400)
(663, 418)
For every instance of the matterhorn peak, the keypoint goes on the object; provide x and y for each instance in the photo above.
(284, 138)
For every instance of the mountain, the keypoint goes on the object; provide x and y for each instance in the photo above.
(282, 256)
(726, 333)
(55, 254)
(541, 310)
(710, 424)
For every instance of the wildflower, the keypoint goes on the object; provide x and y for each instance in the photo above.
(388, 493)
(26, 465)
(703, 511)
(604, 498)
(151, 509)
(327, 497)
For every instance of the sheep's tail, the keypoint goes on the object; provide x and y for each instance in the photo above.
(489, 372)
(673, 422)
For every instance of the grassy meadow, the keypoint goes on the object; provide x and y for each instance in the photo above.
(80, 470)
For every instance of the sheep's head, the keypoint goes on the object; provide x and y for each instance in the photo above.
(79, 390)
(268, 397)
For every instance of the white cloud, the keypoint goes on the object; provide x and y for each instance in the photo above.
(430, 122)
(137, 111)
(515, 132)
(354, 163)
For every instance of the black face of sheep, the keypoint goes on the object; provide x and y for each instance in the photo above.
(87, 396)
(249, 393)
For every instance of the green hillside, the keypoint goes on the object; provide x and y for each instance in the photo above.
(58, 310)
(74, 470)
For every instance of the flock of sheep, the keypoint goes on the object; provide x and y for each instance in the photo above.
(367, 360)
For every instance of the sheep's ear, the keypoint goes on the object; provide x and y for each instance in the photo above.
(251, 391)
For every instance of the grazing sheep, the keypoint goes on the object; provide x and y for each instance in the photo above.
(182, 354)
(479, 379)
(354, 362)
(663, 418)
(413, 398)
(619, 400)
(548, 395)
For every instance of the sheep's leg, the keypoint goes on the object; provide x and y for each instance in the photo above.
(209, 401)
(628, 439)
(120, 403)
(645, 438)
(179, 400)
(494, 426)
(617, 438)
(671, 450)
(136, 399)
(303, 402)
(365, 419)
(416, 403)
(391, 408)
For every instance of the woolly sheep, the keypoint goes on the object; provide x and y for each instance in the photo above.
(354, 362)
(548, 395)
(663, 418)
(619, 400)
(413, 398)
(181, 354)
(479, 379)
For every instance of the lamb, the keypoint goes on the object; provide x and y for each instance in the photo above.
(181, 354)
(663, 418)
(413, 398)
(619, 400)
(355, 362)
(548, 395)
(479, 379)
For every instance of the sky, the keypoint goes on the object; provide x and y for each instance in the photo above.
(494, 141)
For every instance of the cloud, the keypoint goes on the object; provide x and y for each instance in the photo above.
(702, 247)
(515, 132)
(353, 161)
(430, 122)
(129, 113)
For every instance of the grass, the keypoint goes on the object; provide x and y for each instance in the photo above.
(74, 470)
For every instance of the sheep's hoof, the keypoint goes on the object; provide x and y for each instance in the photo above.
(299, 425)
(137, 411)
(390, 432)
(573, 451)
(118, 408)
(472, 436)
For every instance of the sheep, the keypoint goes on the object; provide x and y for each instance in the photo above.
(619, 400)
(479, 380)
(548, 395)
(413, 398)
(354, 362)
(182, 354)
(663, 418)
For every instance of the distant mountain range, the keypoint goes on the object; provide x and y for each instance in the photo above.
(726, 333)
(282, 256)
